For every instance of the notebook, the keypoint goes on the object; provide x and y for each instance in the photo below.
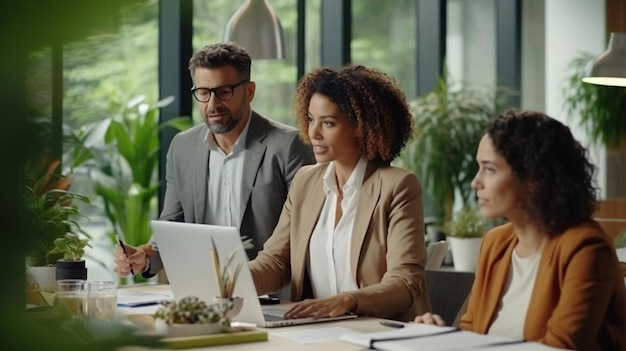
(185, 250)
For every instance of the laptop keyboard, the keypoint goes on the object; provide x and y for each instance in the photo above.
(273, 317)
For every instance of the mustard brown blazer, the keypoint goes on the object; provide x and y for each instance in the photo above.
(578, 301)
(387, 249)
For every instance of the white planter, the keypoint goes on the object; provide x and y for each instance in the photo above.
(45, 276)
(237, 305)
(177, 330)
(464, 252)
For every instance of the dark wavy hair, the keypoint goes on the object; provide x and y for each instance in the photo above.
(222, 54)
(551, 165)
(370, 98)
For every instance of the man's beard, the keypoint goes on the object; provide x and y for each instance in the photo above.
(224, 127)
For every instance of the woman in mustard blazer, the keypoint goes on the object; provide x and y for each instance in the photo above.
(351, 234)
(551, 274)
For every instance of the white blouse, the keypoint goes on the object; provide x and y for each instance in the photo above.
(511, 315)
(329, 248)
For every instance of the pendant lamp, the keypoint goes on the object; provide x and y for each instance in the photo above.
(256, 28)
(610, 67)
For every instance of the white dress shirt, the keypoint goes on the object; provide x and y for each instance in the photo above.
(225, 181)
(329, 248)
(511, 316)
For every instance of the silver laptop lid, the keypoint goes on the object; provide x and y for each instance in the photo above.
(185, 249)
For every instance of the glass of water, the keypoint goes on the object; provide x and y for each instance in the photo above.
(102, 304)
(73, 293)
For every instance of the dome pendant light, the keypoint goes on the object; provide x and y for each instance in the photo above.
(610, 67)
(256, 28)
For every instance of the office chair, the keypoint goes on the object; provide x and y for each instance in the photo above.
(436, 254)
(448, 291)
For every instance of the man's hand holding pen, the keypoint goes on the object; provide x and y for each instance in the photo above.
(132, 260)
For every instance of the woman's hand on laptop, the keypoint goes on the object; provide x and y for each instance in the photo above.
(133, 260)
(333, 306)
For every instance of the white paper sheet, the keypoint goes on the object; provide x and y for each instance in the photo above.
(524, 346)
(312, 335)
(364, 339)
(459, 340)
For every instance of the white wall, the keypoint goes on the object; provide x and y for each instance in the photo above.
(572, 27)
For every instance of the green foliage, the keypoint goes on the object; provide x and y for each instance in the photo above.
(602, 109)
(101, 72)
(49, 211)
(226, 275)
(71, 246)
(450, 122)
(468, 223)
(120, 155)
(191, 310)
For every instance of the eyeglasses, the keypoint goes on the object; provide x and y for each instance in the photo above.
(223, 93)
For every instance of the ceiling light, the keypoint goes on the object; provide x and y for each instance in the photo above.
(256, 28)
(610, 67)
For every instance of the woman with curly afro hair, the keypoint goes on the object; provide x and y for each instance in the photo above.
(551, 274)
(351, 234)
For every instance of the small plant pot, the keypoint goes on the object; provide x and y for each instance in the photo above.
(71, 270)
(237, 305)
(180, 329)
(465, 253)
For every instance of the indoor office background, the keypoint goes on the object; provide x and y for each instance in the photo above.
(522, 45)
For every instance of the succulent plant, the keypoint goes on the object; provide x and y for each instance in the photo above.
(192, 310)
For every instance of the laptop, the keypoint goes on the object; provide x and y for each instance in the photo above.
(185, 250)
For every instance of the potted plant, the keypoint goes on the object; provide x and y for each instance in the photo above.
(72, 265)
(464, 233)
(49, 214)
(450, 121)
(191, 316)
(120, 156)
(226, 276)
(601, 110)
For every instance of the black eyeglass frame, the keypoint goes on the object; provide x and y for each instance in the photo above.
(214, 91)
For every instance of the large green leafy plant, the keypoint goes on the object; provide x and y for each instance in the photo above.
(602, 109)
(50, 209)
(450, 121)
(120, 156)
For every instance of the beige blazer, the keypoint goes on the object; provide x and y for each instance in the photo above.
(387, 249)
(578, 301)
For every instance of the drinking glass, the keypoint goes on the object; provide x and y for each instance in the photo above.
(73, 293)
(102, 304)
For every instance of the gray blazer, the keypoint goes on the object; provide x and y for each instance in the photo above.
(274, 152)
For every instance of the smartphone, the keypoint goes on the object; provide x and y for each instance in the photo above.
(119, 240)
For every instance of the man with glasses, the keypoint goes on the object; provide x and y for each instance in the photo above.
(233, 170)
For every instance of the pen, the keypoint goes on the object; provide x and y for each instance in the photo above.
(392, 324)
(119, 240)
(138, 304)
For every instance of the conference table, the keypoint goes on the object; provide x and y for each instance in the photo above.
(140, 317)
(325, 336)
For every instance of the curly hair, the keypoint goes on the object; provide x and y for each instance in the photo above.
(222, 54)
(370, 98)
(551, 166)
